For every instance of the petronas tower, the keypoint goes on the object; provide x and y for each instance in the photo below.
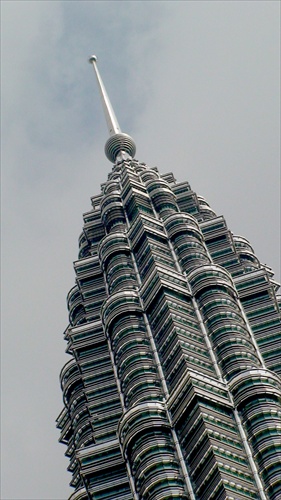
(172, 388)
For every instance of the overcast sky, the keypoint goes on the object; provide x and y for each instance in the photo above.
(197, 86)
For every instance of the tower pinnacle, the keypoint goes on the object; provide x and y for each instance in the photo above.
(118, 142)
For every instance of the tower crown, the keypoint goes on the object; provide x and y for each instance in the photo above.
(118, 144)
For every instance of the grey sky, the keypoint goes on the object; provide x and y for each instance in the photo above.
(197, 86)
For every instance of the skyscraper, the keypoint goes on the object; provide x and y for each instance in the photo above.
(172, 389)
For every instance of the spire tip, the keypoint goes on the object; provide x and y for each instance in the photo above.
(93, 59)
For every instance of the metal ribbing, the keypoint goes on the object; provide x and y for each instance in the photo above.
(164, 385)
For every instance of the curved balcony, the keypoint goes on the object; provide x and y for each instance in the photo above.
(114, 176)
(214, 317)
(258, 396)
(162, 197)
(74, 298)
(158, 184)
(237, 361)
(249, 261)
(145, 452)
(149, 175)
(147, 443)
(242, 243)
(212, 304)
(112, 187)
(80, 494)
(122, 279)
(84, 246)
(254, 384)
(122, 304)
(140, 167)
(246, 254)
(191, 254)
(207, 212)
(129, 345)
(112, 244)
(229, 332)
(211, 277)
(202, 201)
(188, 241)
(134, 361)
(77, 315)
(71, 382)
(77, 404)
(125, 332)
(108, 199)
(68, 370)
(142, 391)
(234, 333)
(205, 209)
(164, 483)
(143, 364)
(112, 212)
(120, 272)
(133, 358)
(227, 343)
(181, 223)
(135, 373)
(138, 376)
(75, 306)
(80, 415)
(114, 218)
(83, 432)
(271, 474)
(138, 420)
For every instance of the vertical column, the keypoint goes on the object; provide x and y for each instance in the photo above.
(144, 430)
(256, 391)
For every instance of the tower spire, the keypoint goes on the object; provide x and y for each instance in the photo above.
(111, 120)
(119, 145)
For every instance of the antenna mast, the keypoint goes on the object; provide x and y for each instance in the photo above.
(119, 145)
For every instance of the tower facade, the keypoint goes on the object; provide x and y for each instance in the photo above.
(173, 387)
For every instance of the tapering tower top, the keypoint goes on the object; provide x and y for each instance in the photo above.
(118, 144)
